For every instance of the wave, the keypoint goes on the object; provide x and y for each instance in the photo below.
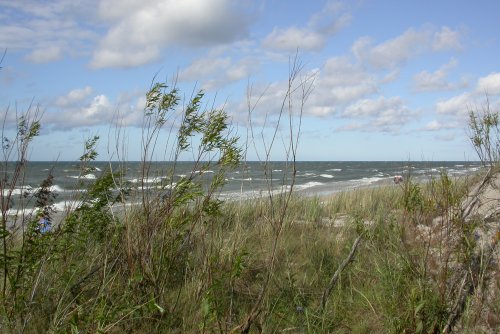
(18, 191)
(328, 176)
(160, 187)
(55, 189)
(246, 179)
(203, 171)
(371, 180)
(308, 185)
(66, 205)
(29, 190)
(148, 180)
(86, 177)
(334, 170)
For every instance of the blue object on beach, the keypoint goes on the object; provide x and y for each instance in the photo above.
(45, 225)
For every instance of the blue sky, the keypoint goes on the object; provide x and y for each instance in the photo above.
(391, 80)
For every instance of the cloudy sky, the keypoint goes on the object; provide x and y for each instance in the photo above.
(391, 80)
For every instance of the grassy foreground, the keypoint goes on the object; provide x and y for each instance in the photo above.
(254, 266)
(399, 259)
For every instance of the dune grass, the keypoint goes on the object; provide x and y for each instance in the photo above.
(370, 260)
(106, 274)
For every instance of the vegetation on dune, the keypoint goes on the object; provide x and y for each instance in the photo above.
(375, 260)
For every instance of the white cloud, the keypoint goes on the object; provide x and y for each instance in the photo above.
(100, 106)
(489, 84)
(446, 39)
(446, 137)
(392, 52)
(204, 67)
(437, 125)
(16, 37)
(50, 9)
(47, 30)
(293, 38)
(115, 10)
(433, 126)
(73, 97)
(391, 76)
(456, 105)
(437, 80)
(44, 55)
(398, 50)
(214, 73)
(341, 71)
(381, 114)
(314, 36)
(339, 83)
(97, 111)
(321, 111)
(129, 57)
(241, 69)
(154, 25)
(79, 108)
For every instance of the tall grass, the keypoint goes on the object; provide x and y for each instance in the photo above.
(375, 260)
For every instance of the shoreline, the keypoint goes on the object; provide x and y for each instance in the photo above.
(325, 192)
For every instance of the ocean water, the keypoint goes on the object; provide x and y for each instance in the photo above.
(251, 179)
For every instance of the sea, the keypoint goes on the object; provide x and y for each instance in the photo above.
(249, 180)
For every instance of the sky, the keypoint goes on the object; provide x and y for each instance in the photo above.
(385, 80)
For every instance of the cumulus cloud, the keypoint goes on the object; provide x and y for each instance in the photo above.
(456, 105)
(339, 83)
(80, 108)
(489, 84)
(438, 126)
(436, 81)
(314, 35)
(47, 30)
(204, 67)
(45, 54)
(138, 36)
(73, 97)
(446, 39)
(411, 43)
(214, 73)
(97, 111)
(294, 38)
(378, 114)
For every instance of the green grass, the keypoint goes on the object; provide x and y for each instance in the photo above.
(206, 277)
(190, 263)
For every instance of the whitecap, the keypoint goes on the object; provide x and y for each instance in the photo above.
(202, 171)
(18, 191)
(147, 180)
(370, 180)
(308, 185)
(328, 176)
(86, 177)
(55, 189)
(66, 205)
